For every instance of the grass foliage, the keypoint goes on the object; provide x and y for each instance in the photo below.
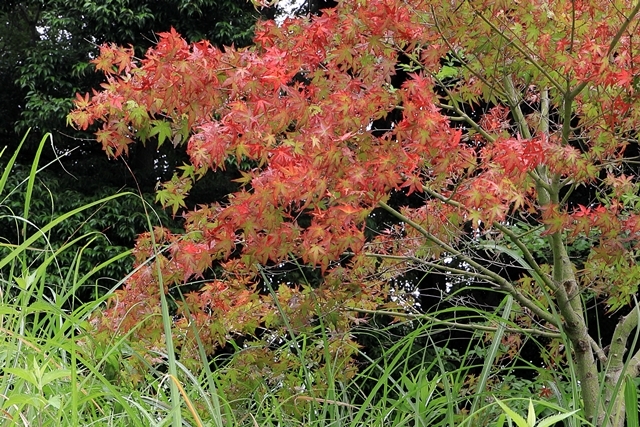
(55, 373)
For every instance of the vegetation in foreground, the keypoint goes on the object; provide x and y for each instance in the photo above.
(318, 168)
(57, 372)
(362, 158)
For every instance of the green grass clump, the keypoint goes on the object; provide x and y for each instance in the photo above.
(51, 371)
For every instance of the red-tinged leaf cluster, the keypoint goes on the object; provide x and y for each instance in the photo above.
(304, 106)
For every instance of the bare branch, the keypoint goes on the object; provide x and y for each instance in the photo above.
(504, 284)
(457, 325)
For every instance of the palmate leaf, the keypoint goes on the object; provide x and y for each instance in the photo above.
(162, 129)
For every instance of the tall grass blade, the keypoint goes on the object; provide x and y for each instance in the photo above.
(631, 401)
(493, 354)
(10, 163)
(167, 321)
(51, 376)
(32, 181)
(554, 419)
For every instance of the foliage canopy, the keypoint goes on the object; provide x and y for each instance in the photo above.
(315, 108)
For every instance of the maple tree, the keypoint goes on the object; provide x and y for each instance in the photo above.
(303, 108)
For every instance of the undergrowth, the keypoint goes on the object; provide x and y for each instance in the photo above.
(56, 373)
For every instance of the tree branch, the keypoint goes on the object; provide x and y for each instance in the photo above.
(527, 254)
(504, 284)
(620, 337)
(622, 29)
(465, 326)
(464, 116)
(514, 105)
(521, 50)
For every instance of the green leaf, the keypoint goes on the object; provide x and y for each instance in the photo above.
(447, 72)
(520, 422)
(55, 401)
(21, 399)
(162, 129)
(531, 416)
(631, 401)
(51, 376)
(552, 420)
(26, 374)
